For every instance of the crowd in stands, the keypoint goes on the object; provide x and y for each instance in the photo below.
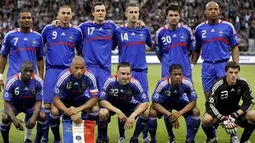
(240, 12)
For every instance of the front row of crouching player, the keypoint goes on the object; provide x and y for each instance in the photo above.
(76, 92)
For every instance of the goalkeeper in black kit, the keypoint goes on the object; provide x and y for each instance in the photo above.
(222, 106)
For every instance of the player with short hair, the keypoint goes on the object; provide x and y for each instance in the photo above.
(20, 45)
(61, 43)
(178, 93)
(23, 93)
(229, 90)
(70, 98)
(122, 95)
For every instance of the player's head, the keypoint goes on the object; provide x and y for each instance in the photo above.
(176, 74)
(173, 14)
(232, 69)
(27, 70)
(123, 73)
(99, 11)
(78, 66)
(132, 12)
(65, 14)
(212, 10)
(25, 19)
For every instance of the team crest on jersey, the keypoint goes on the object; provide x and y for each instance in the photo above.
(129, 93)
(33, 92)
(108, 31)
(238, 91)
(141, 35)
(167, 93)
(71, 38)
(221, 33)
(182, 38)
(83, 85)
(34, 43)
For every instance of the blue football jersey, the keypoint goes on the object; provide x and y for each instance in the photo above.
(132, 43)
(165, 92)
(20, 47)
(98, 43)
(23, 95)
(122, 95)
(70, 88)
(216, 40)
(61, 44)
(174, 47)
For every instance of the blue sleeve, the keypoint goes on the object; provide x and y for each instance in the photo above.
(6, 46)
(93, 90)
(44, 34)
(198, 42)
(156, 96)
(191, 93)
(159, 49)
(8, 95)
(148, 38)
(60, 88)
(39, 91)
(233, 37)
(139, 93)
(105, 92)
(115, 40)
(78, 43)
(40, 50)
(9, 90)
(191, 40)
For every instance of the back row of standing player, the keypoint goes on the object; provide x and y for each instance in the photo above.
(95, 40)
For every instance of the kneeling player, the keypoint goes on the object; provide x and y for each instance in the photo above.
(70, 97)
(223, 106)
(174, 92)
(124, 96)
(23, 93)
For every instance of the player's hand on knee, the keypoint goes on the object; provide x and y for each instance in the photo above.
(55, 23)
(76, 119)
(230, 127)
(74, 111)
(68, 112)
(129, 122)
(18, 124)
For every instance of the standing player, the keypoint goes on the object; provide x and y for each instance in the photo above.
(173, 46)
(215, 37)
(124, 96)
(98, 44)
(20, 45)
(175, 92)
(23, 93)
(229, 90)
(61, 42)
(70, 97)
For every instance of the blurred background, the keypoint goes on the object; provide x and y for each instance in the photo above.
(241, 13)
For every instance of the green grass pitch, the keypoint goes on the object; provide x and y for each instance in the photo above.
(247, 71)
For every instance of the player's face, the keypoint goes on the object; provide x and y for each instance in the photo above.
(176, 77)
(132, 14)
(212, 11)
(65, 15)
(26, 72)
(78, 69)
(173, 17)
(25, 20)
(232, 75)
(124, 74)
(99, 13)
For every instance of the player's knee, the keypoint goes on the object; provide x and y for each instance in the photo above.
(153, 112)
(145, 114)
(54, 111)
(5, 118)
(95, 108)
(196, 112)
(250, 116)
(103, 114)
(42, 116)
(207, 120)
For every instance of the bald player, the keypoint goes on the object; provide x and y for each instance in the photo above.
(70, 98)
(215, 37)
